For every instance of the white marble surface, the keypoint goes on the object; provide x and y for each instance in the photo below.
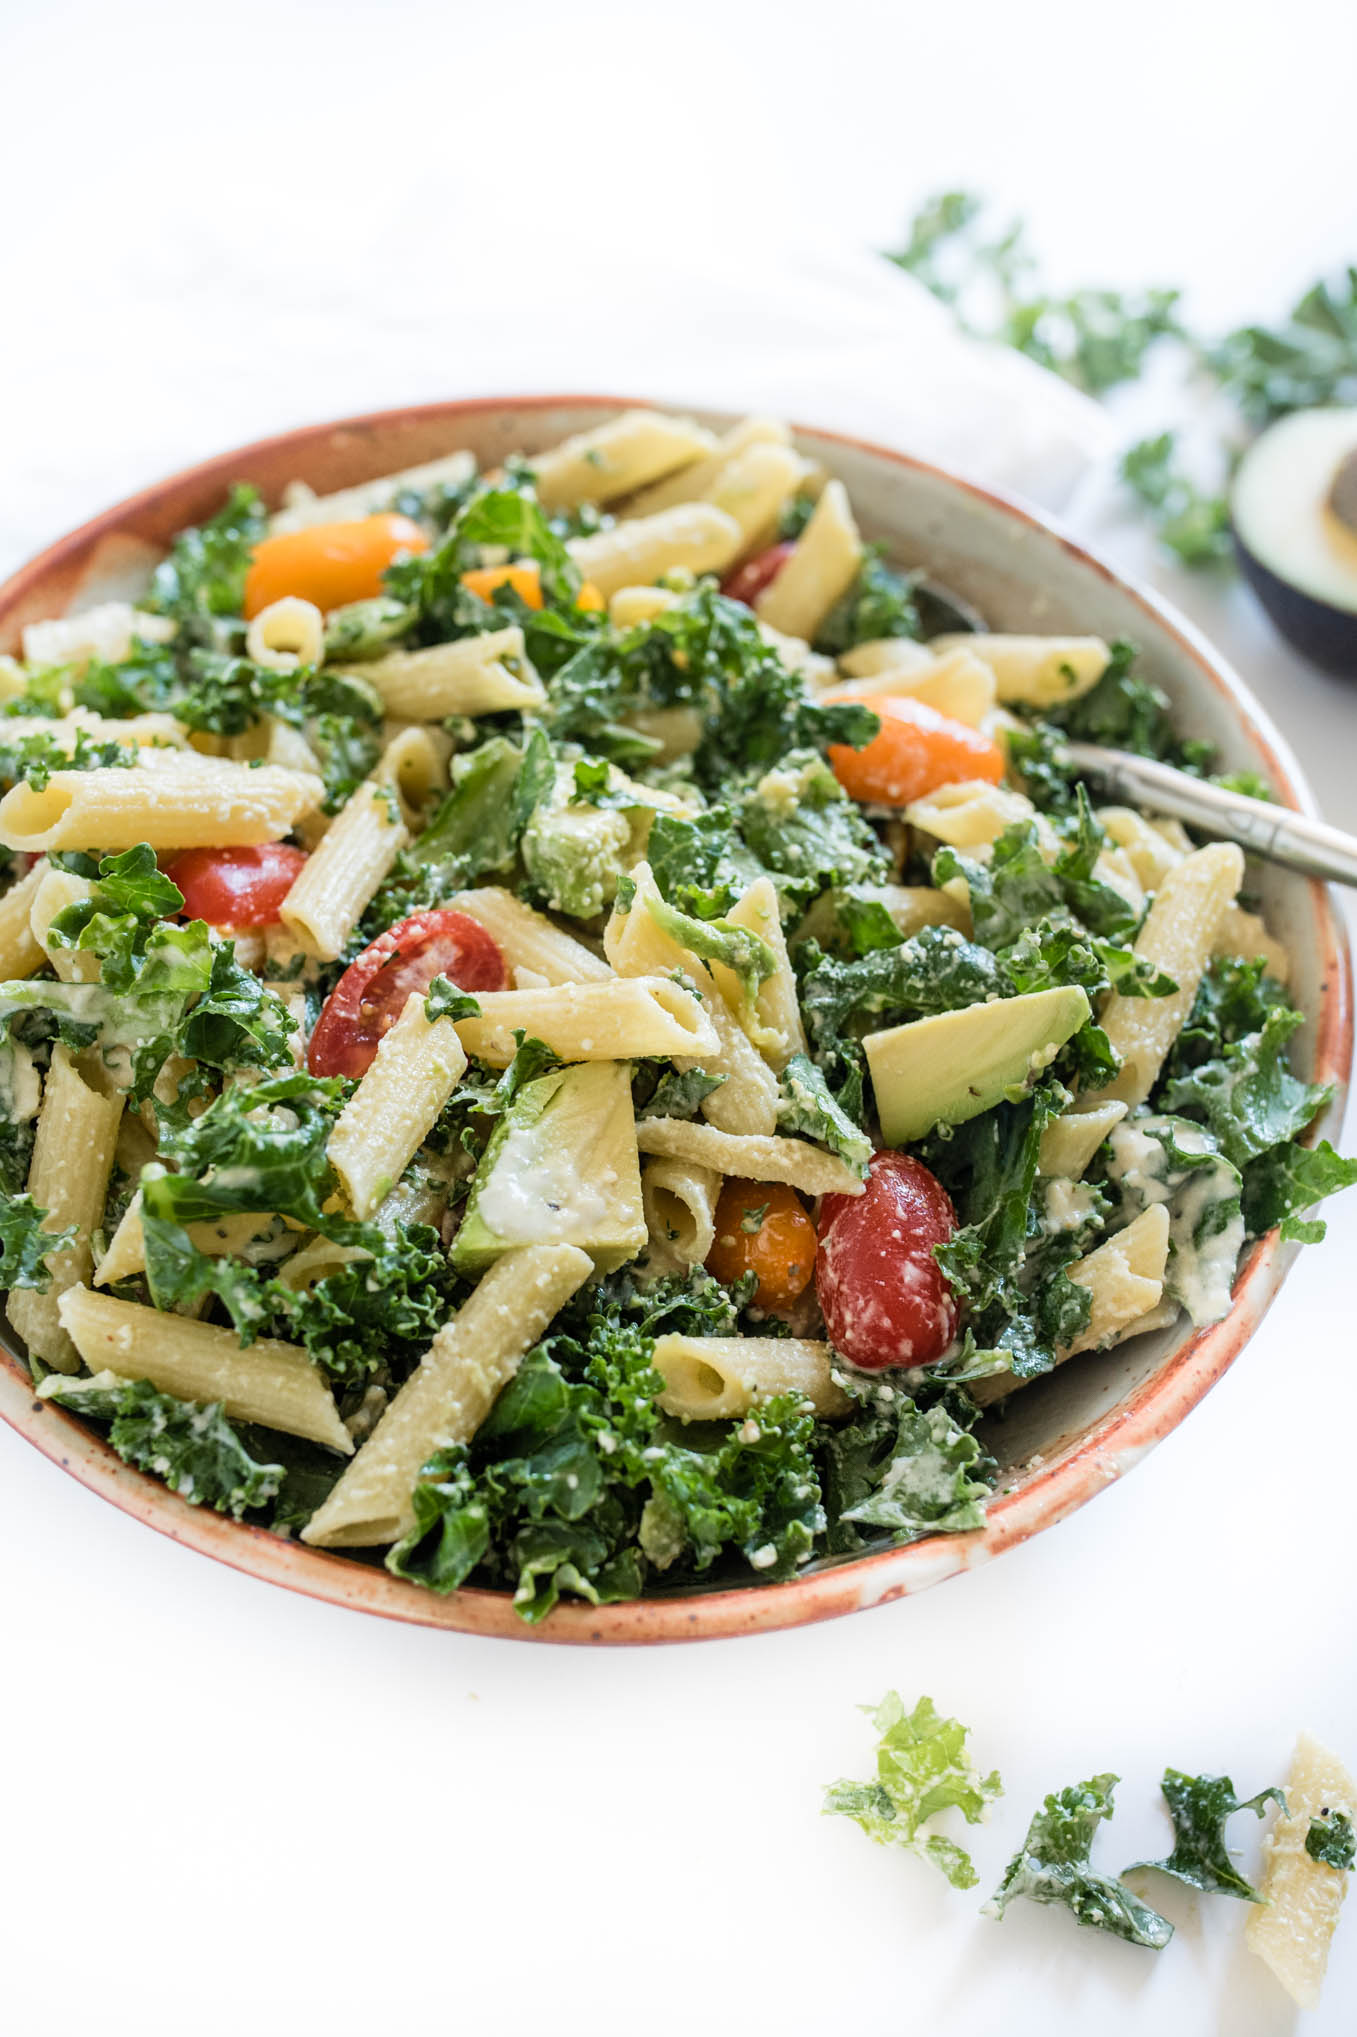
(227, 1809)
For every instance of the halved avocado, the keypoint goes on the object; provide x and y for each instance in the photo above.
(947, 1068)
(1294, 511)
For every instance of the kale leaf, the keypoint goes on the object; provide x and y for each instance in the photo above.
(190, 1444)
(1281, 1184)
(809, 1106)
(1192, 525)
(1199, 1806)
(880, 603)
(204, 575)
(1331, 1839)
(1248, 1096)
(922, 1767)
(25, 1244)
(1052, 1866)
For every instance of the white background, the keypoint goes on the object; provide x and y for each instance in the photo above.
(227, 1809)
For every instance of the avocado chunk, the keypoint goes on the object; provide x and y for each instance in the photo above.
(561, 1168)
(950, 1067)
(575, 853)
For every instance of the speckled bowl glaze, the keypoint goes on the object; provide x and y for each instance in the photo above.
(1066, 1437)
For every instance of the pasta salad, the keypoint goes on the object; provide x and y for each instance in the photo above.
(573, 1029)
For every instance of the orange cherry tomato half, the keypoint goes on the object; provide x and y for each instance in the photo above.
(329, 563)
(525, 577)
(915, 750)
(236, 887)
(748, 581)
(370, 996)
(762, 1228)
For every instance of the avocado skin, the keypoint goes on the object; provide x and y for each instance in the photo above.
(1325, 635)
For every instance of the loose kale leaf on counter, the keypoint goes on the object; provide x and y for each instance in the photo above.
(1052, 1866)
(923, 1767)
(1199, 1806)
(191, 1445)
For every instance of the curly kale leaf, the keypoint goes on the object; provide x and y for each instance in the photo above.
(936, 970)
(1199, 1806)
(25, 1244)
(1189, 523)
(190, 1444)
(803, 828)
(1289, 1179)
(1331, 1839)
(880, 603)
(204, 575)
(932, 1479)
(809, 1106)
(1308, 362)
(923, 1767)
(1052, 1866)
(681, 1095)
(1248, 1096)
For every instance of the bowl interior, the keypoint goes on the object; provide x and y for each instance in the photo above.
(1063, 1438)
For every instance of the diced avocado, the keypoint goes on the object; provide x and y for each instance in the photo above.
(952, 1066)
(560, 1169)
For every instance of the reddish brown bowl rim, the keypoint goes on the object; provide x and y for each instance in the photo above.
(1042, 1496)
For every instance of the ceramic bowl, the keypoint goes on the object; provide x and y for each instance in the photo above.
(1065, 1437)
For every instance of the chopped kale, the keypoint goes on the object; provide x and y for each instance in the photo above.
(1199, 1806)
(191, 1445)
(1052, 1866)
(1331, 1839)
(922, 1767)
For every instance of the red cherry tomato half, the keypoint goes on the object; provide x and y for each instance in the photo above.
(370, 996)
(748, 581)
(881, 1291)
(236, 887)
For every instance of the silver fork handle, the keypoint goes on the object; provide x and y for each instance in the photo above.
(1273, 832)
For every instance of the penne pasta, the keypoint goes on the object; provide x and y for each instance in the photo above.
(286, 635)
(959, 685)
(1178, 937)
(679, 1201)
(342, 874)
(267, 1381)
(68, 1176)
(709, 1379)
(171, 799)
(696, 537)
(415, 764)
(1301, 1897)
(823, 566)
(753, 488)
(750, 1157)
(529, 940)
(1037, 671)
(21, 952)
(621, 1020)
(693, 482)
(126, 1253)
(890, 656)
(969, 815)
(617, 458)
(778, 1032)
(108, 632)
(301, 508)
(395, 1106)
(487, 674)
(450, 1394)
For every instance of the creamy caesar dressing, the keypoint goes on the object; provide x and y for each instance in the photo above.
(534, 1191)
(1172, 1161)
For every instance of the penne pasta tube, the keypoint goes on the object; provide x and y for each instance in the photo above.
(339, 878)
(528, 939)
(693, 482)
(1038, 671)
(1292, 1926)
(778, 1031)
(217, 1236)
(753, 489)
(1125, 1280)
(679, 1201)
(487, 674)
(823, 566)
(709, 1379)
(107, 632)
(617, 458)
(622, 1020)
(387, 1119)
(633, 605)
(21, 952)
(959, 685)
(68, 1176)
(171, 799)
(968, 815)
(697, 537)
(1178, 937)
(750, 1157)
(415, 764)
(267, 1381)
(286, 635)
(301, 508)
(133, 730)
(449, 1396)
(892, 655)
(1243, 933)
